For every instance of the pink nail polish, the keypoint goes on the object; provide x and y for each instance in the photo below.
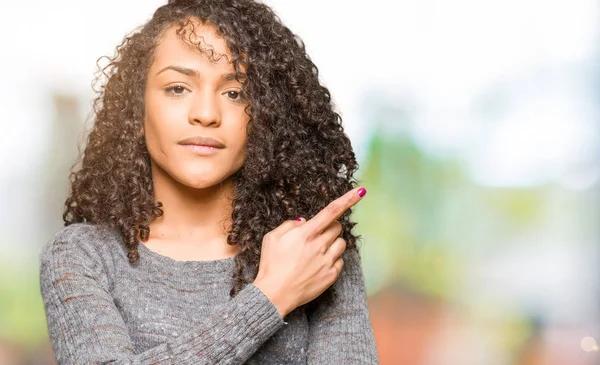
(362, 192)
(299, 219)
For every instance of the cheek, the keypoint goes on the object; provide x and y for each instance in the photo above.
(158, 124)
(153, 133)
(239, 142)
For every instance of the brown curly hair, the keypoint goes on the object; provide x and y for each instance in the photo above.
(298, 157)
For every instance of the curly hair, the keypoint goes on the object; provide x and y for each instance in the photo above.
(297, 156)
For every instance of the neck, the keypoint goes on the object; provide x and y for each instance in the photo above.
(201, 215)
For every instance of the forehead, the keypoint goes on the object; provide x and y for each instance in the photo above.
(194, 41)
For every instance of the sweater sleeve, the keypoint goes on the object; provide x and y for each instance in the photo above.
(85, 326)
(341, 333)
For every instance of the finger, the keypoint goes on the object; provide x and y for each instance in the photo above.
(339, 266)
(336, 249)
(333, 211)
(288, 225)
(326, 238)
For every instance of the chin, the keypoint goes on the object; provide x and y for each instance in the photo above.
(203, 182)
(200, 183)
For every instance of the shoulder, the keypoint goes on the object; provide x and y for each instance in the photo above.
(352, 260)
(81, 242)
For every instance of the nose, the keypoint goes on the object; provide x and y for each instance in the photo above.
(205, 109)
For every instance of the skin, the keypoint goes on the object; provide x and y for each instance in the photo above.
(299, 259)
(194, 189)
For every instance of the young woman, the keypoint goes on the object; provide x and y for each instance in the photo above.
(211, 136)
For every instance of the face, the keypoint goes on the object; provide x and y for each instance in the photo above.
(195, 119)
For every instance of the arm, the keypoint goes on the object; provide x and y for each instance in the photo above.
(85, 326)
(341, 334)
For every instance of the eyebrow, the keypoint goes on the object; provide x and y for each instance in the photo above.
(191, 72)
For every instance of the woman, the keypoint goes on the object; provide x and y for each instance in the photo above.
(211, 134)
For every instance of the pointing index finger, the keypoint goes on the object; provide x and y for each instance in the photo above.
(334, 210)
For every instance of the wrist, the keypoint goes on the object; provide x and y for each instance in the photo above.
(275, 296)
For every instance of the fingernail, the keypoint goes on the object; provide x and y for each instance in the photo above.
(299, 219)
(362, 192)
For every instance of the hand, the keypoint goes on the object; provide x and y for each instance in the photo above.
(300, 260)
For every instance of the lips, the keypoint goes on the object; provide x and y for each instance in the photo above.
(202, 141)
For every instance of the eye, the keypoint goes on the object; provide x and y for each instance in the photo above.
(234, 95)
(176, 90)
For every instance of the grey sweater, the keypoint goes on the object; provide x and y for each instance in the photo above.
(100, 309)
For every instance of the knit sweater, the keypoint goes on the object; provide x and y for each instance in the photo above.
(101, 309)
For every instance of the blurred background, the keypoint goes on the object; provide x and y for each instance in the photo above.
(476, 125)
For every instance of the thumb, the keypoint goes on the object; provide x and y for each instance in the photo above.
(288, 225)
